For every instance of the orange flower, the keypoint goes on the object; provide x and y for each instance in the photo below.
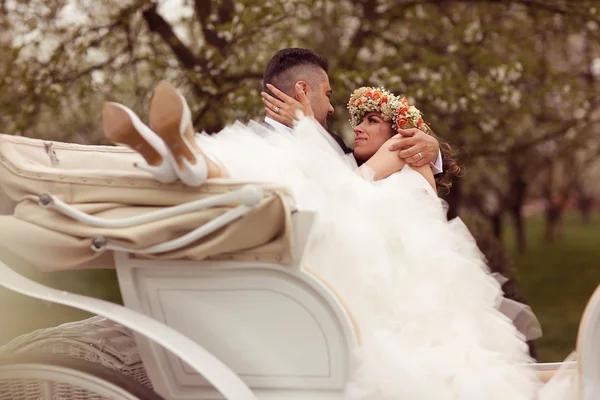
(404, 101)
(359, 102)
(376, 95)
(368, 93)
(384, 100)
(403, 110)
(351, 102)
(401, 122)
(420, 122)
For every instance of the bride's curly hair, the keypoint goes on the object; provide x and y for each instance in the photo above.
(450, 165)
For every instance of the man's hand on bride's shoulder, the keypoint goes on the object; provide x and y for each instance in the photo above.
(415, 147)
(283, 108)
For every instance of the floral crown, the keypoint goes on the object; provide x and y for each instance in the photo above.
(393, 108)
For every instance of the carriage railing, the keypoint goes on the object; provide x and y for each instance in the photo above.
(248, 197)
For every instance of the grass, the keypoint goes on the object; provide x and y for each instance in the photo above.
(556, 279)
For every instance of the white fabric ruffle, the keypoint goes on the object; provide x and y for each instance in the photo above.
(418, 287)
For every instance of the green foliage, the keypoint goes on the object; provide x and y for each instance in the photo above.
(558, 280)
(508, 83)
(470, 66)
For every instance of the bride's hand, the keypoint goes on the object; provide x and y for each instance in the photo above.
(284, 108)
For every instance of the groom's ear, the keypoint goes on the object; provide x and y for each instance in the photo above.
(305, 88)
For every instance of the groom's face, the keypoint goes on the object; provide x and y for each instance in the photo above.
(320, 99)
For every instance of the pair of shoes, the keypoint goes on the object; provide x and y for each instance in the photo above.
(169, 148)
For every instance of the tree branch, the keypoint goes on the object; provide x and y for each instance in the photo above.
(556, 6)
(203, 10)
(364, 31)
(226, 10)
(258, 28)
(157, 24)
(524, 146)
(214, 100)
(236, 78)
(90, 69)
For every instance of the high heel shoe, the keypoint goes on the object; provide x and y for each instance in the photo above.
(171, 119)
(121, 125)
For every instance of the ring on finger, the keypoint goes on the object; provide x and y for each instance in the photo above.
(276, 110)
(420, 155)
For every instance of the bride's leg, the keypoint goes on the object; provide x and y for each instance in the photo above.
(215, 168)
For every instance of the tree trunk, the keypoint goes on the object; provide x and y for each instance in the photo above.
(518, 192)
(519, 222)
(556, 203)
(497, 226)
(585, 204)
(553, 216)
(454, 198)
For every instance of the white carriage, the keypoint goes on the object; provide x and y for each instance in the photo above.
(217, 302)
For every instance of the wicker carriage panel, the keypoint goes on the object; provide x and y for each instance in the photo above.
(20, 389)
(96, 340)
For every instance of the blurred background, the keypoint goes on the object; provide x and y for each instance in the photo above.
(514, 86)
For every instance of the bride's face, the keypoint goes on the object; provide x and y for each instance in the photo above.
(371, 134)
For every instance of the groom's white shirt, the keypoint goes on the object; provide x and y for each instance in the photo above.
(349, 158)
(278, 125)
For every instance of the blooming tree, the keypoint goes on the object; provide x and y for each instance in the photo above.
(501, 81)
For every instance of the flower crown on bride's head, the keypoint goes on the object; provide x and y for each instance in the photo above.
(393, 108)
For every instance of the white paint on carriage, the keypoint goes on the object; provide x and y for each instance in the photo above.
(220, 376)
(282, 330)
(588, 349)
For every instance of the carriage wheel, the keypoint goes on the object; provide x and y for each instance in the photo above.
(50, 376)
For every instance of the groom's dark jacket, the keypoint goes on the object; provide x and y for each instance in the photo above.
(340, 142)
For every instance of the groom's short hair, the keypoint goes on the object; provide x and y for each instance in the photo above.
(290, 65)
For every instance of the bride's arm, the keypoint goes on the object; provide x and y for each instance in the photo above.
(385, 162)
(283, 108)
(427, 173)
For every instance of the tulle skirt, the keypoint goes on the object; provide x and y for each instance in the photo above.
(423, 298)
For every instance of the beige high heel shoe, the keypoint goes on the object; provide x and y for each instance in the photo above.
(121, 125)
(171, 119)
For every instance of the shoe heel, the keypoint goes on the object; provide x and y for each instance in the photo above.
(194, 175)
(119, 128)
(122, 126)
(167, 112)
(161, 174)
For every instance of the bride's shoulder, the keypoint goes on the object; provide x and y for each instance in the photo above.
(408, 178)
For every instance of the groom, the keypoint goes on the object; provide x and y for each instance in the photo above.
(295, 65)
(290, 67)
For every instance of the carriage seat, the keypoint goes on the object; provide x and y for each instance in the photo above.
(102, 182)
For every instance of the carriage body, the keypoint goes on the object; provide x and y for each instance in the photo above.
(280, 329)
(233, 323)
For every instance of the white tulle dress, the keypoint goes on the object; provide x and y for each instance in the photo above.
(423, 298)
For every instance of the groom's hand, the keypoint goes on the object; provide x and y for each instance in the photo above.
(416, 147)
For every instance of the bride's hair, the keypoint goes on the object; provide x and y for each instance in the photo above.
(449, 164)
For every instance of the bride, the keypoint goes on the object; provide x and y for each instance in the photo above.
(425, 303)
